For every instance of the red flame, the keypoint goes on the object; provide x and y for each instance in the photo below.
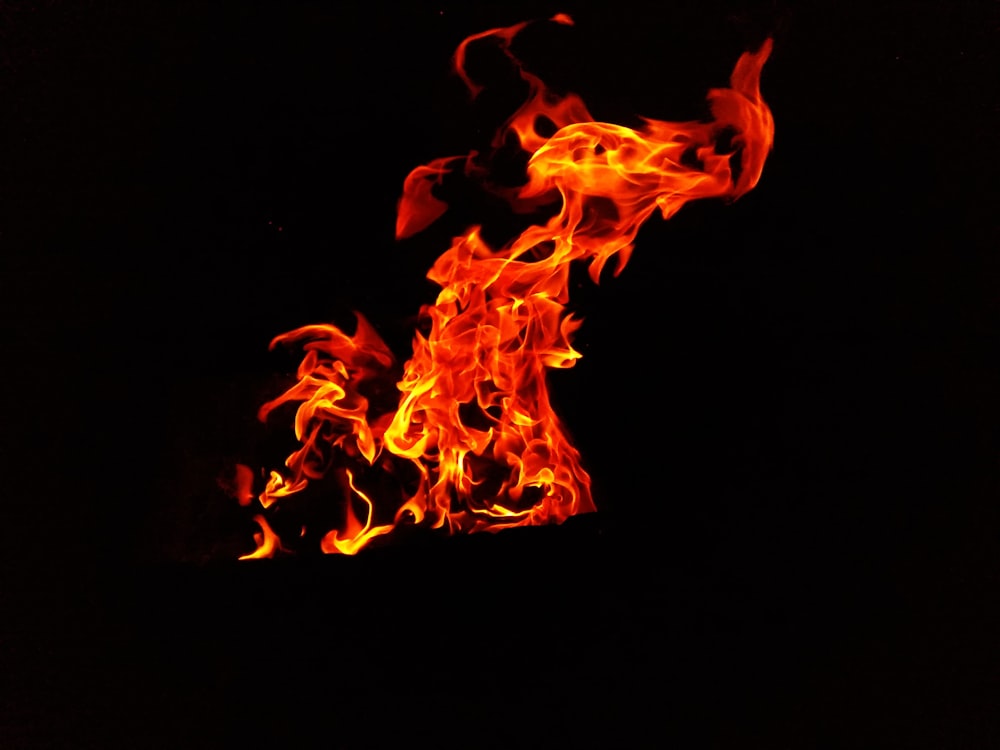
(470, 440)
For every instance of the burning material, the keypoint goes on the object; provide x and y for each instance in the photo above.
(463, 435)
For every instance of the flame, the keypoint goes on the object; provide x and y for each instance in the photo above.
(469, 438)
(239, 486)
(355, 534)
(267, 541)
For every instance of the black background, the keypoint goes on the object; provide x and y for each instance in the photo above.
(788, 404)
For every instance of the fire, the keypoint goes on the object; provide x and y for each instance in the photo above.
(463, 436)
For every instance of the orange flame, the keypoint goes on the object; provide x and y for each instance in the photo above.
(471, 439)
(267, 541)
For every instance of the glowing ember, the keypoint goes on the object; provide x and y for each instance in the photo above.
(466, 439)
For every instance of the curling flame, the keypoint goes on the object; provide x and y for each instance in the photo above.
(355, 534)
(267, 541)
(470, 438)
